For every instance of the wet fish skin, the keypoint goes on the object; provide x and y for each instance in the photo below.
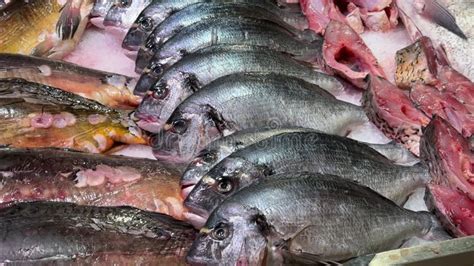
(68, 233)
(234, 30)
(396, 153)
(199, 69)
(159, 10)
(291, 213)
(305, 151)
(61, 175)
(123, 13)
(48, 28)
(204, 11)
(219, 149)
(101, 7)
(243, 101)
(35, 115)
(110, 89)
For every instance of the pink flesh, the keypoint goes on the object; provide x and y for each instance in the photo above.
(457, 85)
(42, 120)
(392, 111)
(346, 53)
(95, 50)
(434, 102)
(138, 151)
(456, 207)
(453, 157)
(372, 5)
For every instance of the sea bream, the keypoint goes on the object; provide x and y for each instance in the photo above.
(234, 30)
(307, 218)
(109, 89)
(88, 179)
(196, 70)
(243, 101)
(204, 11)
(221, 148)
(159, 10)
(64, 233)
(35, 115)
(312, 152)
(124, 12)
(45, 28)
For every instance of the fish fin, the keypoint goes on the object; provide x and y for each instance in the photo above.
(217, 118)
(439, 14)
(303, 258)
(69, 20)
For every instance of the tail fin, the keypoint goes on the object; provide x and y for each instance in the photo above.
(436, 232)
(436, 12)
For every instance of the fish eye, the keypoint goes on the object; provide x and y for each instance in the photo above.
(180, 126)
(156, 68)
(160, 91)
(125, 3)
(146, 24)
(209, 157)
(224, 185)
(220, 232)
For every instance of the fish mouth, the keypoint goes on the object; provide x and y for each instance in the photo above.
(146, 122)
(196, 210)
(186, 188)
(133, 39)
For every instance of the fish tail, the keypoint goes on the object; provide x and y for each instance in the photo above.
(434, 231)
(436, 12)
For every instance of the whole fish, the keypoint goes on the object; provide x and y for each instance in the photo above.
(88, 179)
(125, 12)
(109, 89)
(35, 115)
(219, 149)
(159, 10)
(199, 69)
(47, 28)
(63, 233)
(448, 23)
(244, 101)
(305, 216)
(233, 30)
(204, 11)
(310, 152)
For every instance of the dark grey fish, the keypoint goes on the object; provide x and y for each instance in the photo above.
(158, 10)
(305, 216)
(205, 11)
(217, 150)
(199, 69)
(305, 151)
(243, 101)
(233, 30)
(47, 232)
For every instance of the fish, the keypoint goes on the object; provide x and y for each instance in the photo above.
(392, 111)
(47, 28)
(199, 69)
(125, 12)
(448, 156)
(204, 11)
(448, 24)
(312, 152)
(219, 149)
(36, 115)
(62, 175)
(101, 7)
(453, 208)
(346, 54)
(65, 233)
(243, 101)
(234, 30)
(305, 216)
(109, 89)
(159, 10)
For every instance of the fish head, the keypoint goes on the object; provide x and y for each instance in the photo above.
(123, 13)
(189, 130)
(198, 167)
(160, 101)
(101, 7)
(143, 26)
(233, 235)
(221, 182)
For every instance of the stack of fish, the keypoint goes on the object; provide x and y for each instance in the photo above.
(242, 103)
